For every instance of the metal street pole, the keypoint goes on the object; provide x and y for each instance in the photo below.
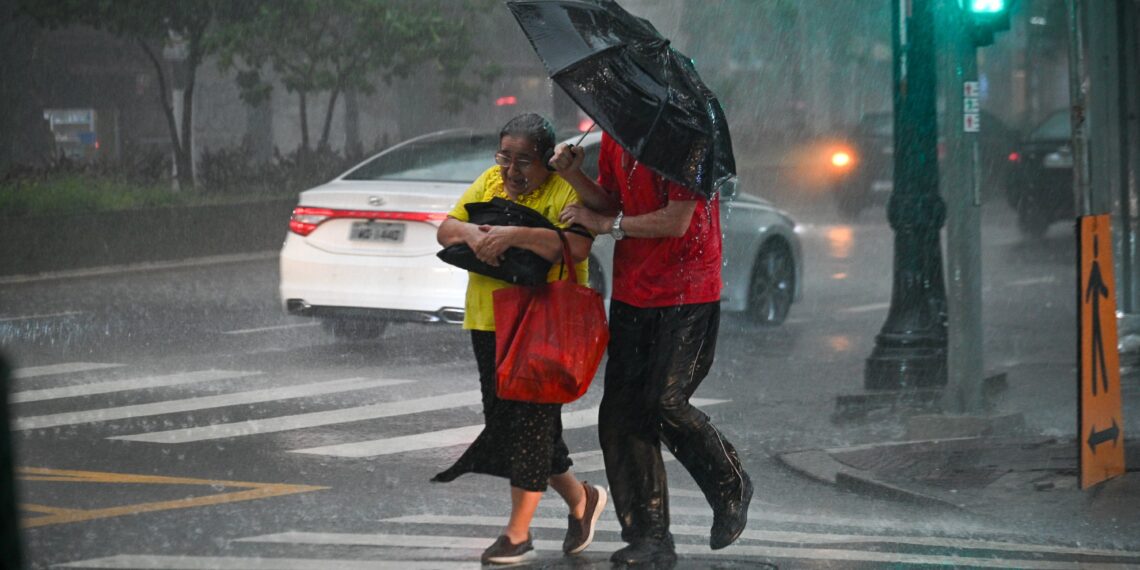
(961, 186)
(910, 349)
(1078, 94)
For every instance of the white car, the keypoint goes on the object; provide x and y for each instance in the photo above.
(360, 251)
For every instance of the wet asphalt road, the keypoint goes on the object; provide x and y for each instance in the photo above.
(193, 423)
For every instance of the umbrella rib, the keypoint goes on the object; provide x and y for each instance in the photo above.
(582, 59)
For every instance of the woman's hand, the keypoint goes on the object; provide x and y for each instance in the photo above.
(493, 243)
(578, 214)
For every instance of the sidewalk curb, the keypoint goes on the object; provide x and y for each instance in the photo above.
(818, 464)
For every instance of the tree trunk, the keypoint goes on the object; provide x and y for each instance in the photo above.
(304, 101)
(186, 177)
(333, 96)
(167, 108)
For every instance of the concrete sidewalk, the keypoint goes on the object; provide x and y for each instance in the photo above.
(1011, 479)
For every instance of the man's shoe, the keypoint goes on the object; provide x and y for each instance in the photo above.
(503, 552)
(646, 552)
(580, 532)
(730, 518)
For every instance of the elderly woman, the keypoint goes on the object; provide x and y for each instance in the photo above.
(521, 441)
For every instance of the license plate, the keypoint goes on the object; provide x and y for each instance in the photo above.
(377, 231)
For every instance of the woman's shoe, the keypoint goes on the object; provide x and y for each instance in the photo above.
(580, 532)
(503, 552)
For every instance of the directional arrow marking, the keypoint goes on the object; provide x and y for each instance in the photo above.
(1098, 437)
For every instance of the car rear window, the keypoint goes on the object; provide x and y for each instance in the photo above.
(453, 159)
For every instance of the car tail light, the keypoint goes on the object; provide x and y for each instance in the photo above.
(305, 219)
(841, 159)
(1014, 157)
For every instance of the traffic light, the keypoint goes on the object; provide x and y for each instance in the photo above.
(986, 17)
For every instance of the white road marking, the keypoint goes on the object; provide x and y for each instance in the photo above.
(44, 316)
(802, 538)
(448, 437)
(201, 403)
(137, 267)
(158, 562)
(64, 368)
(273, 328)
(737, 550)
(130, 384)
(313, 419)
(1032, 281)
(866, 308)
(831, 519)
(590, 461)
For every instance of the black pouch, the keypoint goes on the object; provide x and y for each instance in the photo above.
(518, 266)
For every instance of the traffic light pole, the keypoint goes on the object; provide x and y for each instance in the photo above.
(910, 349)
(961, 186)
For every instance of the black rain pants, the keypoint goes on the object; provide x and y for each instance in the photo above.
(657, 359)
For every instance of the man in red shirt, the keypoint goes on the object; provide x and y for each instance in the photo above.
(664, 316)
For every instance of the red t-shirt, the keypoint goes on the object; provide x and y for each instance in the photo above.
(660, 272)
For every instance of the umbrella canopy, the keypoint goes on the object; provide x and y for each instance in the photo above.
(626, 77)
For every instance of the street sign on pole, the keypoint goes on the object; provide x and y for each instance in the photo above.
(971, 107)
(1101, 436)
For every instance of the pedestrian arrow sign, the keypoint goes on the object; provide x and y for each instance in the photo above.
(1101, 437)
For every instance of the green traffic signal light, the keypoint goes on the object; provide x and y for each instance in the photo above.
(986, 17)
(986, 6)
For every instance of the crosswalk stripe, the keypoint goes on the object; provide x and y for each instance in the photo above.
(272, 328)
(590, 461)
(449, 437)
(41, 316)
(834, 520)
(789, 537)
(130, 384)
(201, 403)
(158, 562)
(737, 550)
(65, 368)
(312, 419)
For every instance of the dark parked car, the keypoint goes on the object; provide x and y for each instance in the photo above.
(1042, 188)
(868, 160)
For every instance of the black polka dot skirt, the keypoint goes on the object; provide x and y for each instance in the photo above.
(520, 441)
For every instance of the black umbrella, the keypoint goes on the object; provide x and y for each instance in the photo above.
(641, 91)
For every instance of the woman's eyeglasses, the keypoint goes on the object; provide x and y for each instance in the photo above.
(505, 161)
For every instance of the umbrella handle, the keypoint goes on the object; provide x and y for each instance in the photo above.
(588, 131)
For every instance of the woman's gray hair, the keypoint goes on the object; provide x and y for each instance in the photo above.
(534, 127)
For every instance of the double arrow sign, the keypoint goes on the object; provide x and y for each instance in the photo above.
(1099, 362)
(1098, 437)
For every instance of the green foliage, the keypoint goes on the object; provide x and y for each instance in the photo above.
(72, 193)
(149, 23)
(336, 46)
(233, 172)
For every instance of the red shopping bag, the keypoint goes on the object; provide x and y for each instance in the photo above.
(549, 339)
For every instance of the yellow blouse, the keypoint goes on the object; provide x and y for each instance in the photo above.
(548, 199)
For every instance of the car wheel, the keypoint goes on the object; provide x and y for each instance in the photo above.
(1030, 219)
(354, 329)
(773, 285)
(597, 276)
